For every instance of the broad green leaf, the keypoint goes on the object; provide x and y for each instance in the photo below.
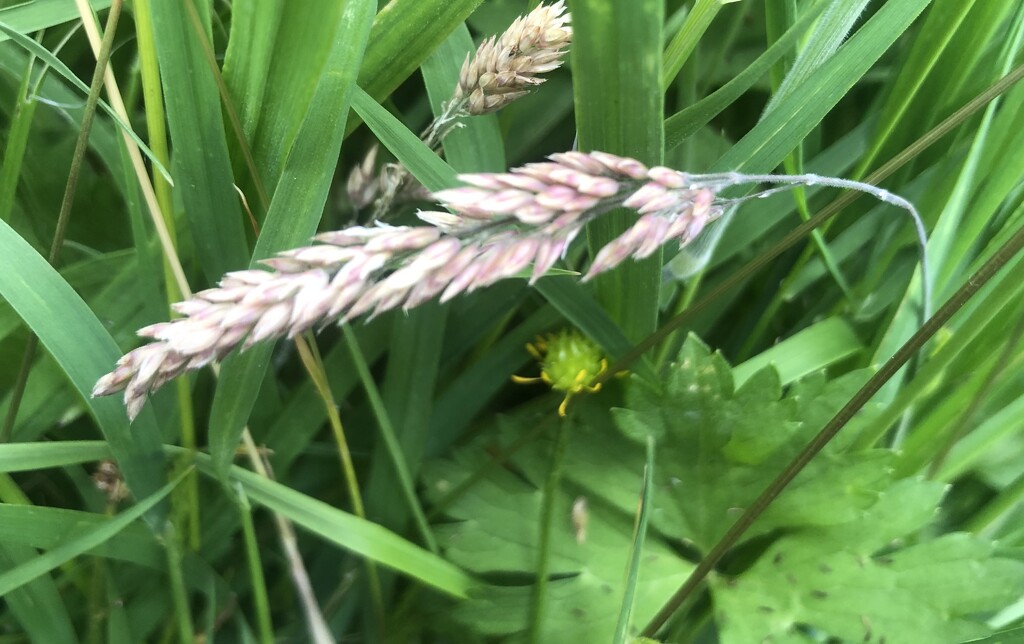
(717, 451)
(850, 582)
(496, 532)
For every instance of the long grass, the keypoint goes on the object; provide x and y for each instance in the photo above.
(724, 450)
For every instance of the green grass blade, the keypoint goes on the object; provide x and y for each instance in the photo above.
(200, 162)
(616, 53)
(272, 67)
(295, 210)
(85, 351)
(57, 65)
(768, 143)
(805, 352)
(20, 575)
(404, 33)
(37, 605)
(350, 532)
(686, 39)
(25, 457)
(29, 17)
(637, 546)
(690, 120)
(418, 159)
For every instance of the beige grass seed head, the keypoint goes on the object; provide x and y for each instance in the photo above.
(506, 67)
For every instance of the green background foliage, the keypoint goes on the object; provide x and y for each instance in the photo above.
(420, 494)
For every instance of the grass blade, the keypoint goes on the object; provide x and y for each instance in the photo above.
(295, 211)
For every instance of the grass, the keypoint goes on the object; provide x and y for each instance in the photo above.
(396, 486)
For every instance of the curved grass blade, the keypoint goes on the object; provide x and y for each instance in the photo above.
(428, 168)
(26, 457)
(32, 16)
(356, 535)
(55, 63)
(637, 547)
(20, 575)
(84, 349)
(295, 211)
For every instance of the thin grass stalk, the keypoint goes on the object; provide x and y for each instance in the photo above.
(909, 349)
(391, 442)
(156, 128)
(261, 604)
(97, 594)
(319, 378)
(139, 166)
(64, 217)
(538, 600)
(318, 630)
(636, 550)
(179, 596)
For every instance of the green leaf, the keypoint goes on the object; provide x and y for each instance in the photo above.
(805, 352)
(25, 457)
(851, 582)
(57, 65)
(496, 533)
(352, 533)
(404, 33)
(37, 605)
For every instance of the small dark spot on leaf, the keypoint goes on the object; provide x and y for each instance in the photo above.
(825, 568)
(885, 561)
(777, 559)
(766, 609)
(578, 612)
(607, 589)
(791, 579)
(819, 594)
